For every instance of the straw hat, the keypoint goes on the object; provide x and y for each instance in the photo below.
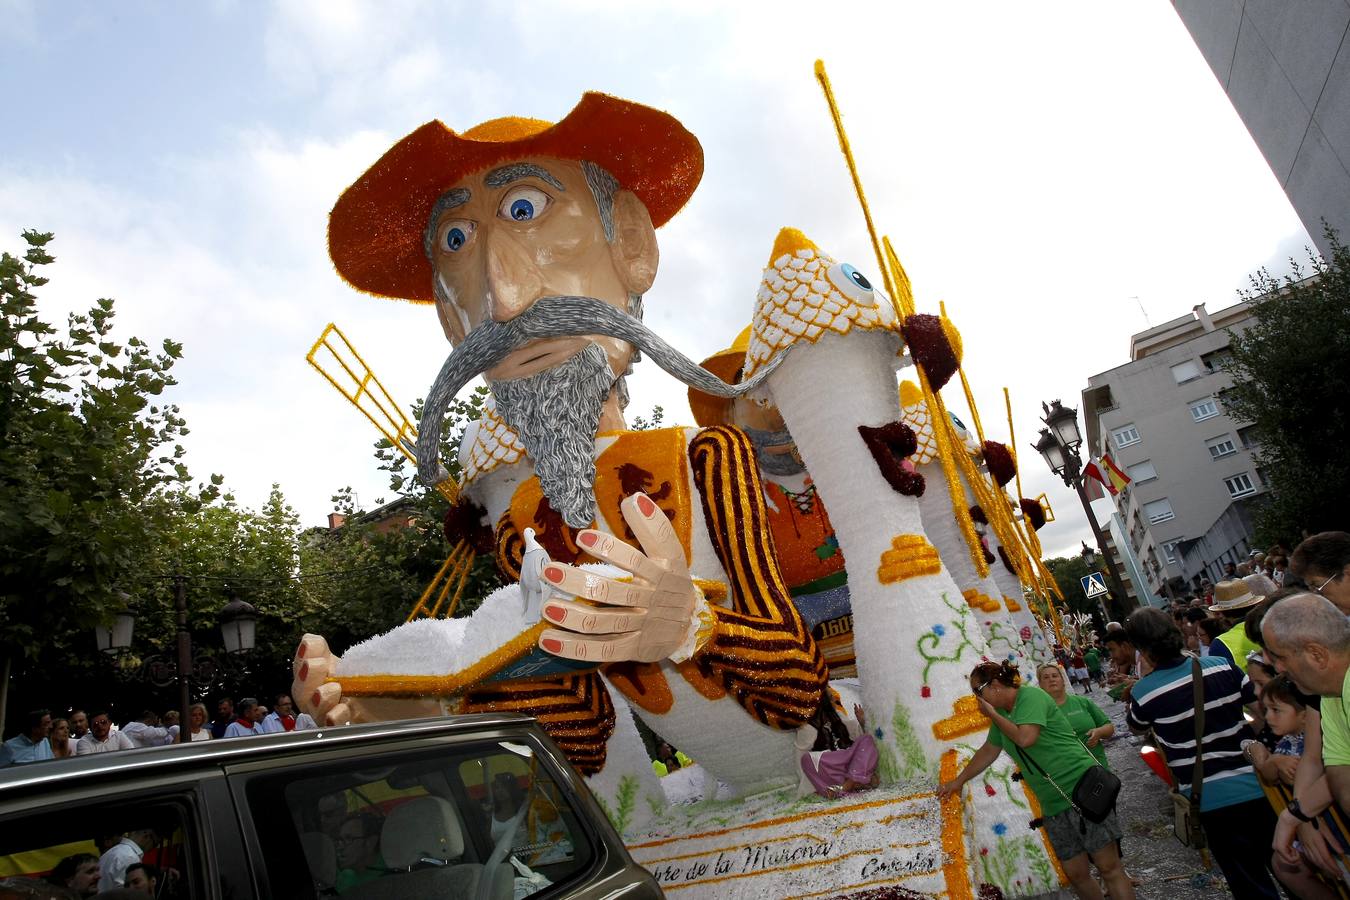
(726, 365)
(375, 229)
(1231, 595)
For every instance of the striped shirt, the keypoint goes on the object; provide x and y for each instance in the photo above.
(1164, 701)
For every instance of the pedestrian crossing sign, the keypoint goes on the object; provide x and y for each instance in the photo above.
(1094, 585)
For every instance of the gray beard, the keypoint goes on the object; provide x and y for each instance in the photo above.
(774, 463)
(556, 414)
(563, 316)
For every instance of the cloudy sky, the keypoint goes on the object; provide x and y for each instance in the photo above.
(1055, 171)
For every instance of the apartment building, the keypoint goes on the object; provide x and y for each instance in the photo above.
(1162, 419)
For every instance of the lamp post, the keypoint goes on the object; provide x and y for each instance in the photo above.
(1058, 445)
(238, 628)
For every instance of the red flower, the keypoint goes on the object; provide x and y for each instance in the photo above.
(984, 851)
(925, 691)
(989, 789)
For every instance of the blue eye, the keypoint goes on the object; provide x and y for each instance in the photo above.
(456, 234)
(523, 204)
(857, 277)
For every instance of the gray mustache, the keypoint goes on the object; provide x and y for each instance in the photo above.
(549, 317)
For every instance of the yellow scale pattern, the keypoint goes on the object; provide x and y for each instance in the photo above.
(494, 444)
(909, 556)
(797, 302)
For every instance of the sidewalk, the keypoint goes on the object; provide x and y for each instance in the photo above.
(1152, 855)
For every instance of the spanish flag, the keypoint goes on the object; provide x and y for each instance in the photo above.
(1115, 478)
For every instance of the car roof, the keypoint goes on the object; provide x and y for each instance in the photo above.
(182, 757)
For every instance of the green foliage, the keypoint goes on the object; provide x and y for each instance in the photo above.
(91, 472)
(1291, 372)
(1069, 572)
(647, 423)
(391, 565)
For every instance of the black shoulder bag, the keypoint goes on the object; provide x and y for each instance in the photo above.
(1186, 810)
(1094, 796)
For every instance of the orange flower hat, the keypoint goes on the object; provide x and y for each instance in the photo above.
(726, 365)
(375, 229)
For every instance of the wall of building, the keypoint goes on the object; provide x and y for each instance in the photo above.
(1286, 68)
(1145, 394)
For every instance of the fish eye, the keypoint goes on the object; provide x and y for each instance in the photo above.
(523, 203)
(851, 283)
(456, 235)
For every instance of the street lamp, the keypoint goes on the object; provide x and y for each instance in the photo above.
(238, 622)
(1058, 445)
(238, 631)
(1089, 555)
(115, 640)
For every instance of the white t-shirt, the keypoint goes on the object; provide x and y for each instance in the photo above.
(203, 735)
(116, 740)
(112, 866)
(143, 735)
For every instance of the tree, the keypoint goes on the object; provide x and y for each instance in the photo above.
(1291, 372)
(88, 461)
(389, 567)
(1068, 572)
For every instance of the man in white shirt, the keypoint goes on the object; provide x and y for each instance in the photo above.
(283, 718)
(112, 866)
(101, 738)
(146, 731)
(244, 725)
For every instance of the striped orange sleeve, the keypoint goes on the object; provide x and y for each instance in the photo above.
(761, 650)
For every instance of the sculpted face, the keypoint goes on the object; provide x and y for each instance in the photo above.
(503, 238)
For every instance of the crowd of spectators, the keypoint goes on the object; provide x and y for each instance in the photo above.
(1272, 644)
(80, 732)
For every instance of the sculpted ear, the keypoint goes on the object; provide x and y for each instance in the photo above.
(634, 247)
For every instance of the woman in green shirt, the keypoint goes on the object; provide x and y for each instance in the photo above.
(1085, 717)
(1028, 724)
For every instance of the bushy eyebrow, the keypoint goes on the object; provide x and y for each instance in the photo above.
(455, 197)
(517, 171)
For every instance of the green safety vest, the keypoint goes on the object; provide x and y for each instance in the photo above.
(1235, 639)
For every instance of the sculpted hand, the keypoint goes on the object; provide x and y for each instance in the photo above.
(653, 617)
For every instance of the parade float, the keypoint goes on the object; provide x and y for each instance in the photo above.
(799, 551)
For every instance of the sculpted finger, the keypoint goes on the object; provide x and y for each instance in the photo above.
(311, 645)
(338, 715)
(591, 620)
(580, 583)
(602, 649)
(323, 698)
(616, 552)
(654, 532)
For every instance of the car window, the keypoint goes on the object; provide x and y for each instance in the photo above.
(141, 842)
(485, 820)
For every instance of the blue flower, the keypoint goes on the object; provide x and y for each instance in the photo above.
(1000, 829)
(939, 630)
(878, 733)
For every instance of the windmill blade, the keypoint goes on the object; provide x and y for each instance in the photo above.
(337, 360)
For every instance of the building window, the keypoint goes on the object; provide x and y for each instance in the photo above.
(1204, 409)
(1159, 511)
(1239, 485)
(1217, 359)
(1140, 472)
(1124, 436)
(1220, 447)
(1170, 551)
(1187, 371)
(1248, 437)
